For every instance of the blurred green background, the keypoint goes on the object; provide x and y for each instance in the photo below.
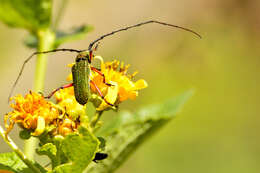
(218, 129)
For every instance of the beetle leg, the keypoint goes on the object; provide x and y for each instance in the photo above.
(101, 74)
(62, 87)
(90, 56)
(100, 93)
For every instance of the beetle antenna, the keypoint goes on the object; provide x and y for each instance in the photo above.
(96, 47)
(140, 24)
(30, 57)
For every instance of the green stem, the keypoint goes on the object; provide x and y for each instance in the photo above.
(46, 40)
(60, 14)
(19, 153)
(95, 119)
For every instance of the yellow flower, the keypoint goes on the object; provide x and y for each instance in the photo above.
(32, 112)
(66, 99)
(67, 126)
(123, 86)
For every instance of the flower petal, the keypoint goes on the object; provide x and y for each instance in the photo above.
(140, 84)
(40, 126)
(111, 97)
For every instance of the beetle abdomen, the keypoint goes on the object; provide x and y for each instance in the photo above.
(80, 74)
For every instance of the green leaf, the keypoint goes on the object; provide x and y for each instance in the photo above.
(50, 150)
(31, 41)
(80, 149)
(75, 34)
(102, 145)
(28, 14)
(115, 124)
(11, 162)
(47, 149)
(61, 36)
(129, 130)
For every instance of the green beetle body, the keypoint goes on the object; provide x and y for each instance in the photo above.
(81, 78)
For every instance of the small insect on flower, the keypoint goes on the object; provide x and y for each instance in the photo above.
(82, 69)
(123, 87)
(32, 112)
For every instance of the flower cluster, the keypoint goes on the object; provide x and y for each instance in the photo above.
(65, 98)
(34, 113)
(117, 73)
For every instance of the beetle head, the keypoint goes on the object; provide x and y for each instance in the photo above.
(83, 56)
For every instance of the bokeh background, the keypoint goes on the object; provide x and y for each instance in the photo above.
(218, 129)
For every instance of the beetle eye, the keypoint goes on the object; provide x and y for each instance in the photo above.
(78, 59)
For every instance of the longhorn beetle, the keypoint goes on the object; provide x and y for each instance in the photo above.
(82, 69)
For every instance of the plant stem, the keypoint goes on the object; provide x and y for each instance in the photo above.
(19, 153)
(60, 13)
(95, 119)
(46, 40)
